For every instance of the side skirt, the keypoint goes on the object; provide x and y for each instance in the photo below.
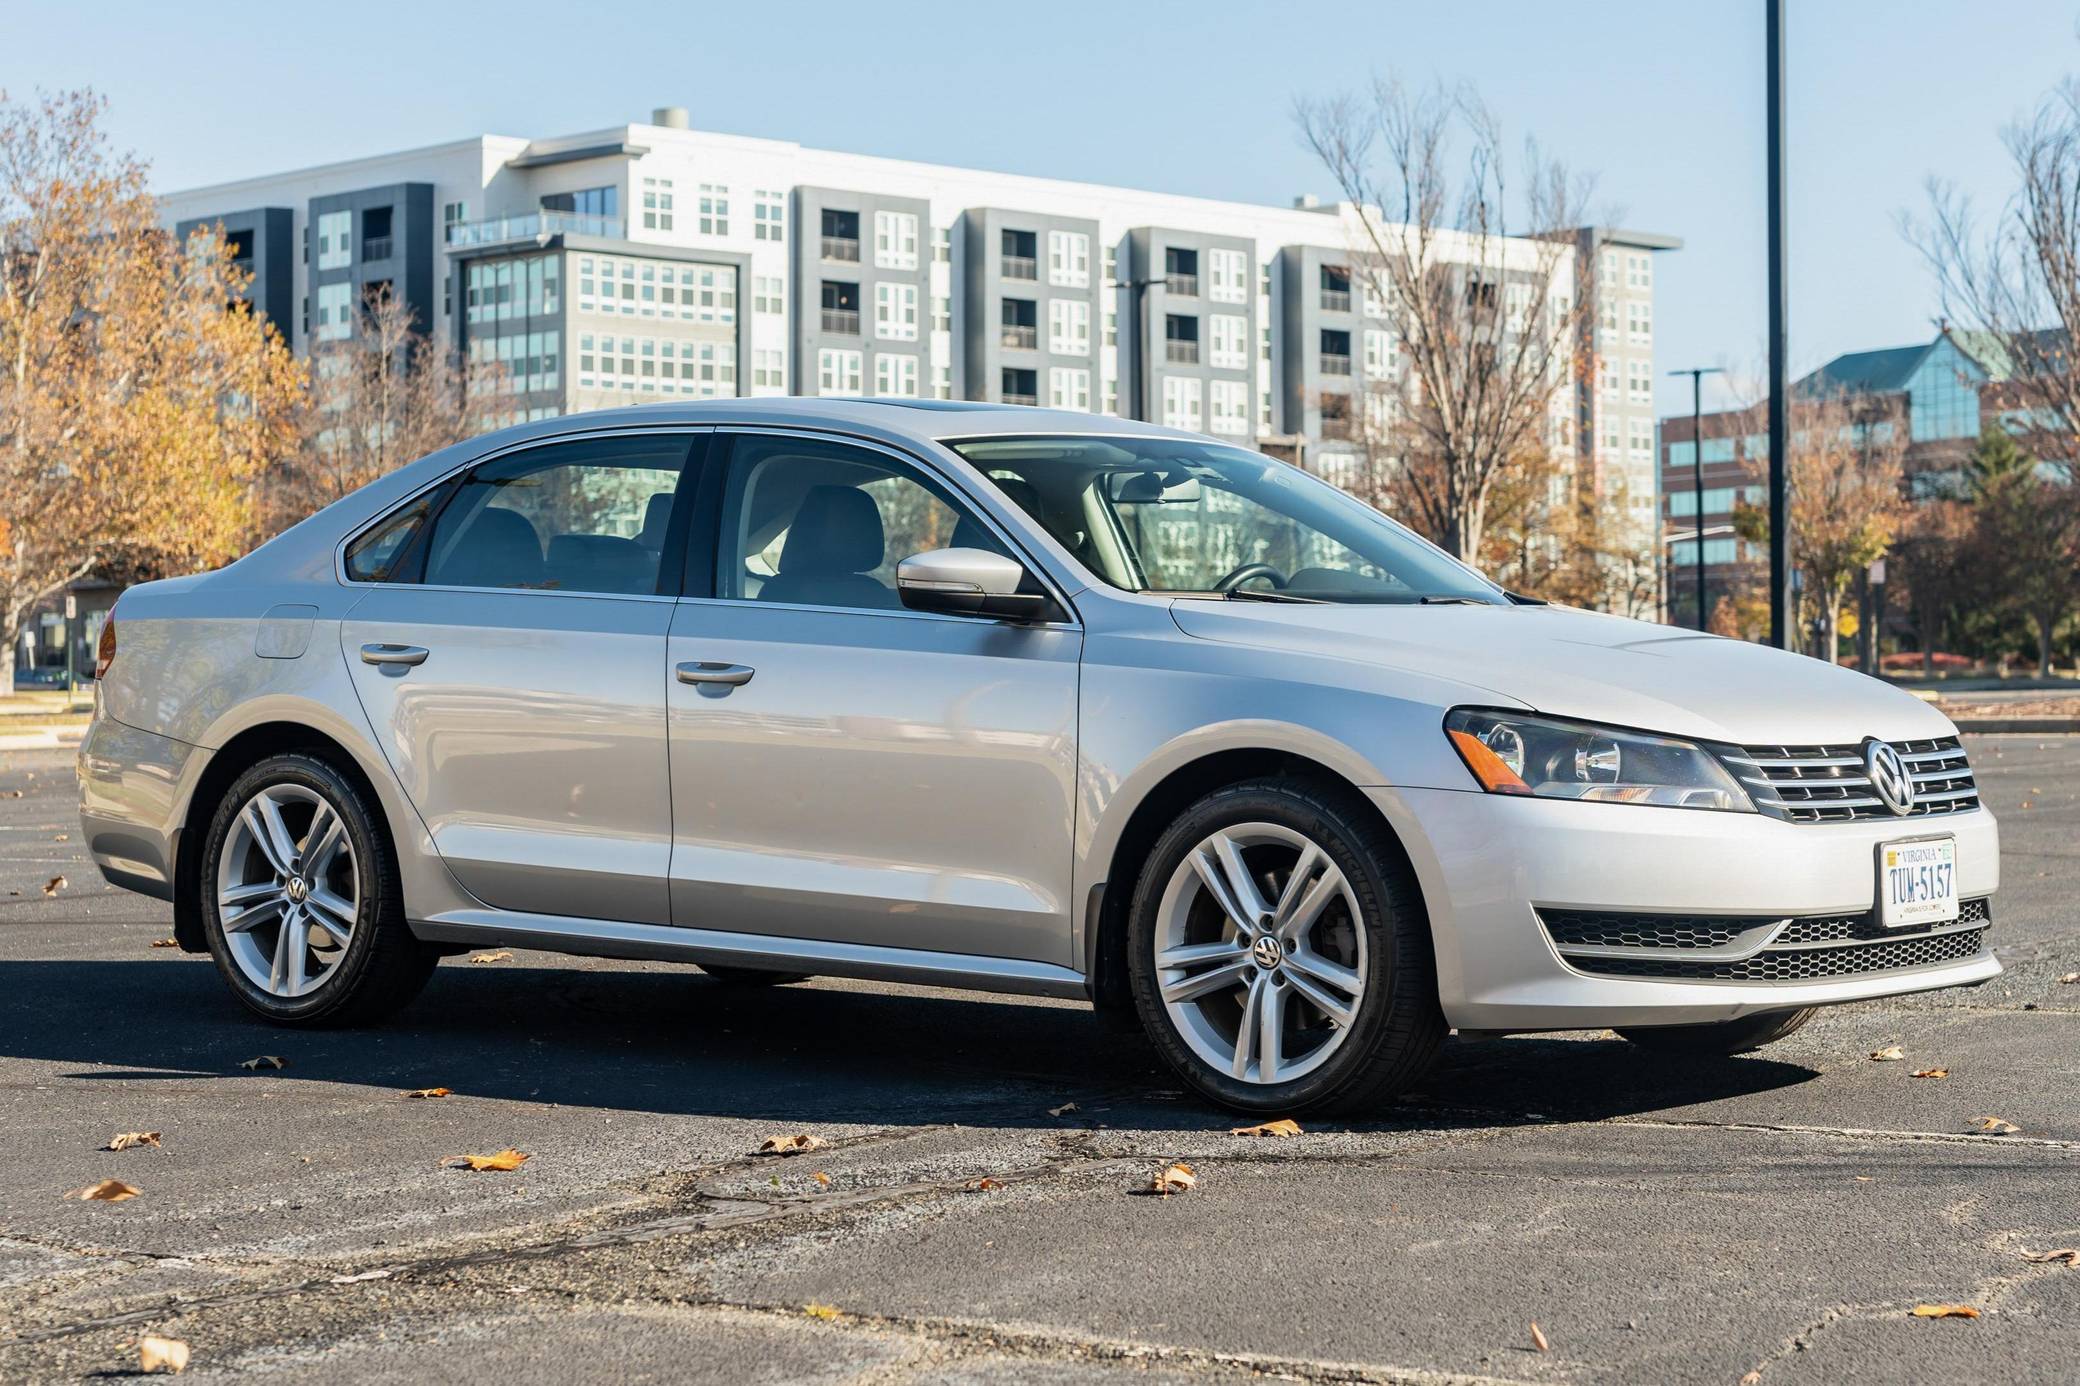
(602, 938)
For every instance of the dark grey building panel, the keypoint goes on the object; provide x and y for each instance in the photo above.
(1174, 333)
(263, 241)
(1011, 286)
(392, 237)
(838, 279)
(1321, 307)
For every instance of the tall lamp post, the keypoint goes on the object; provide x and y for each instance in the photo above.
(1780, 595)
(1697, 375)
(1141, 338)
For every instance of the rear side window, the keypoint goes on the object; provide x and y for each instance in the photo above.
(379, 555)
(588, 516)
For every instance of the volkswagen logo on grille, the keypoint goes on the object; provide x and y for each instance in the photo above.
(1890, 780)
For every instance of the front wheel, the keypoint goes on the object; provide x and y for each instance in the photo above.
(301, 900)
(1720, 1036)
(1279, 952)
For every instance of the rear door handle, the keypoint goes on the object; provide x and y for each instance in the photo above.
(393, 654)
(734, 675)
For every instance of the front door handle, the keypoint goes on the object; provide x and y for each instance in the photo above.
(393, 654)
(733, 675)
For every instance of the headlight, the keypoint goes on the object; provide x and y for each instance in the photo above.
(1550, 759)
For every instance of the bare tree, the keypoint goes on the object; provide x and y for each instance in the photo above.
(1477, 277)
(1934, 554)
(2027, 546)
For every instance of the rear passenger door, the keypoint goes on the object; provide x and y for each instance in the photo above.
(510, 654)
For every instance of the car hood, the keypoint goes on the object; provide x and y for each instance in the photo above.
(1586, 665)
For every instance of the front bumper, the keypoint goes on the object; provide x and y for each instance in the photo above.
(1489, 863)
(131, 788)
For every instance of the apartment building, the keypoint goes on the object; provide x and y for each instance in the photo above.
(654, 261)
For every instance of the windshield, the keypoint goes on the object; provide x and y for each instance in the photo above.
(1189, 518)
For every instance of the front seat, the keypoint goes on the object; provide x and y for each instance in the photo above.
(836, 540)
(499, 548)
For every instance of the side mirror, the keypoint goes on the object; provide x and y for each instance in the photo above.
(971, 582)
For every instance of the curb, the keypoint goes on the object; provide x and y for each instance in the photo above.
(42, 739)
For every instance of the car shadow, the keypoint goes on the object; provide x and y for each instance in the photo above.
(673, 1041)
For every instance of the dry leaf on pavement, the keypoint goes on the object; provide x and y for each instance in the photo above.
(1283, 1127)
(823, 1181)
(156, 1354)
(508, 1159)
(1176, 1177)
(166, 943)
(983, 1185)
(789, 1145)
(1751, 1379)
(130, 1140)
(1994, 1126)
(2067, 1254)
(1065, 1107)
(357, 1279)
(1945, 1311)
(827, 1313)
(427, 1092)
(1891, 1053)
(500, 956)
(1931, 1073)
(1538, 1338)
(2070, 978)
(107, 1191)
(265, 1061)
(54, 885)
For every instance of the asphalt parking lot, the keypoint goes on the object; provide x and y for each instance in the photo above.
(1661, 1221)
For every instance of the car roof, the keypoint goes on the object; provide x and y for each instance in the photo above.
(927, 420)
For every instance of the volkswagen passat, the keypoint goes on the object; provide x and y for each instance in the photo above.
(1018, 700)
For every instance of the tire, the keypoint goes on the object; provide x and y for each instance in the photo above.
(1720, 1036)
(751, 976)
(381, 965)
(1370, 932)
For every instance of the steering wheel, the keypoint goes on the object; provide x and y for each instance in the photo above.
(1246, 572)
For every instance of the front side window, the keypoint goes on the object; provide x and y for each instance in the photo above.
(586, 516)
(1196, 518)
(811, 523)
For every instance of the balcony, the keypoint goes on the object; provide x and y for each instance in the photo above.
(376, 248)
(842, 322)
(1333, 364)
(1184, 285)
(1336, 300)
(1020, 267)
(1181, 353)
(844, 248)
(1022, 399)
(523, 226)
(1025, 338)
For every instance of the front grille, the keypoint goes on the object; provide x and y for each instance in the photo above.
(1721, 948)
(1828, 784)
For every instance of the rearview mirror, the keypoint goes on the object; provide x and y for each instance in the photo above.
(1151, 488)
(971, 582)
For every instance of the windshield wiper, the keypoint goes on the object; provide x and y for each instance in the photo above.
(1453, 601)
(1245, 594)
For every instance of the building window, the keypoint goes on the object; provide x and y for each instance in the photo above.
(1069, 259)
(895, 240)
(895, 376)
(453, 214)
(1336, 351)
(1112, 327)
(1019, 253)
(1230, 338)
(714, 210)
(1382, 356)
(768, 293)
(1639, 381)
(895, 312)
(585, 202)
(1069, 388)
(1639, 321)
(942, 313)
(768, 215)
(942, 245)
(942, 382)
(335, 240)
(1183, 405)
(1230, 271)
(657, 204)
(1019, 385)
(768, 371)
(1069, 328)
(1639, 272)
(838, 371)
(335, 312)
(1229, 400)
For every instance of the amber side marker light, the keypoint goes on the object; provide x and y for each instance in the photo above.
(1487, 767)
(105, 651)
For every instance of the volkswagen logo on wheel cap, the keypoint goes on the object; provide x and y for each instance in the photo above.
(1890, 780)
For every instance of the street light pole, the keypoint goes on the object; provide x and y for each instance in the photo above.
(1780, 617)
(1141, 376)
(1697, 375)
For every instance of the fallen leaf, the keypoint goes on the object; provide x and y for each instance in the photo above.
(1891, 1053)
(1863, 1178)
(1538, 1338)
(1994, 1126)
(265, 1061)
(1177, 1177)
(54, 885)
(107, 1191)
(823, 1180)
(1931, 1073)
(2069, 979)
(166, 943)
(983, 1185)
(156, 1354)
(357, 1279)
(11, 794)
(1945, 1311)
(500, 956)
(1751, 1379)
(1065, 1107)
(2067, 1254)
(1283, 1127)
(789, 1145)
(826, 1312)
(504, 1160)
(427, 1092)
(130, 1140)
(62, 837)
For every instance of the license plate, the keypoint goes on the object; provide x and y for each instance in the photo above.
(1917, 882)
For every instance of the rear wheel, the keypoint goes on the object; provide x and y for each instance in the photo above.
(1720, 1036)
(1279, 952)
(301, 901)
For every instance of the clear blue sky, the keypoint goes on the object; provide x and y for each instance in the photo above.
(1663, 102)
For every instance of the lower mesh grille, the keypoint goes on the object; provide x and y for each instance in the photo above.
(1761, 948)
(1800, 964)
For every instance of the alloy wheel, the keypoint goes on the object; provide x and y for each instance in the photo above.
(288, 892)
(1260, 953)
